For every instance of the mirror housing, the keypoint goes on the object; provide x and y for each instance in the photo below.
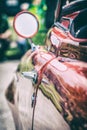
(25, 24)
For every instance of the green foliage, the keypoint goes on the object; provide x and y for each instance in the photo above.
(39, 39)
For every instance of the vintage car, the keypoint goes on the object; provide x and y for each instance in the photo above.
(59, 68)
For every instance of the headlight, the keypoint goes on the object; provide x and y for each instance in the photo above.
(55, 41)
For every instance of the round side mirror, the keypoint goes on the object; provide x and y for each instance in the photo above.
(25, 24)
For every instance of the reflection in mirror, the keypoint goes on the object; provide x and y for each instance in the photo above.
(25, 24)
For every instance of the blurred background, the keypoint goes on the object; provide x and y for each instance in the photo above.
(11, 45)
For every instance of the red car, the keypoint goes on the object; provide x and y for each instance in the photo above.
(59, 69)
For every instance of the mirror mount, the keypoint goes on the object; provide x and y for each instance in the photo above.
(33, 46)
